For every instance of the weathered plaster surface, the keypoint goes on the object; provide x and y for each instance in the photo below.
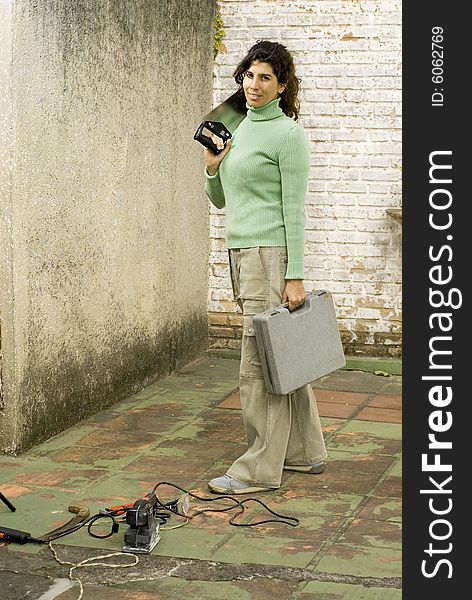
(7, 417)
(108, 234)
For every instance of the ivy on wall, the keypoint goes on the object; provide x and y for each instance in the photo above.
(219, 35)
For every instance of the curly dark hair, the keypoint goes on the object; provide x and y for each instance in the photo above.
(281, 61)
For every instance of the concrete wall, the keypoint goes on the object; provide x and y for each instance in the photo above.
(348, 55)
(104, 234)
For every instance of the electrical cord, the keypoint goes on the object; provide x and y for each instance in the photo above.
(284, 519)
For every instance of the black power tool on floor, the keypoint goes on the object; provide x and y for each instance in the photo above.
(142, 534)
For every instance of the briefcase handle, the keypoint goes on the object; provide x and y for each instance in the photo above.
(316, 293)
(285, 305)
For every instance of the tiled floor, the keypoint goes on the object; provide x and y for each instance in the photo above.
(345, 405)
(186, 429)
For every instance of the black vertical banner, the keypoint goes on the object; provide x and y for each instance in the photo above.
(437, 238)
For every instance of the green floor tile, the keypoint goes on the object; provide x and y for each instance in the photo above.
(365, 457)
(194, 400)
(40, 511)
(374, 428)
(214, 426)
(384, 509)
(390, 487)
(212, 367)
(278, 545)
(330, 425)
(192, 541)
(176, 588)
(67, 438)
(361, 443)
(112, 459)
(396, 469)
(371, 532)
(360, 381)
(28, 548)
(336, 481)
(315, 501)
(9, 470)
(44, 509)
(391, 366)
(320, 590)
(120, 488)
(83, 539)
(367, 561)
(47, 474)
(200, 383)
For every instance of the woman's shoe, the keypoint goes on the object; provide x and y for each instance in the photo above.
(229, 485)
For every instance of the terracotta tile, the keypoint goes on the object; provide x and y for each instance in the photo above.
(13, 490)
(383, 401)
(326, 401)
(328, 397)
(332, 409)
(353, 398)
(385, 415)
(359, 381)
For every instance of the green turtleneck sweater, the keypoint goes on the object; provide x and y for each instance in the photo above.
(262, 181)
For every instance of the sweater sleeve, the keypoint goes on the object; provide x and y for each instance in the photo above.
(294, 165)
(214, 189)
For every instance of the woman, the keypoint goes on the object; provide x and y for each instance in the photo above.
(261, 178)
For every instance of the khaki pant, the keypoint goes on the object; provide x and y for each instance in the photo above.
(279, 428)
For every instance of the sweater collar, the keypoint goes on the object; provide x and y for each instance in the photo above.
(271, 110)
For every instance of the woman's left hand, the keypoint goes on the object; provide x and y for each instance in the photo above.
(294, 293)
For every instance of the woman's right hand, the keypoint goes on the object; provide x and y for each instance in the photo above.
(212, 161)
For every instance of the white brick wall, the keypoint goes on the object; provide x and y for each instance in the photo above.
(348, 55)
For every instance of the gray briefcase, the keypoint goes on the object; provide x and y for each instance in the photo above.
(298, 347)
